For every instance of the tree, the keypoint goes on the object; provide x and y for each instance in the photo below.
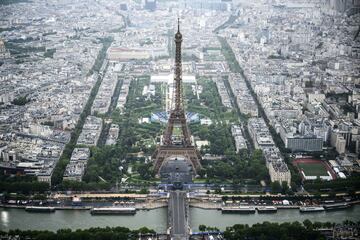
(144, 191)
(328, 225)
(285, 187)
(276, 187)
(218, 191)
(308, 224)
(203, 132)
(145, 171)
(202, 172)
(49, 53)
(293, 186)
(22, 100)
(202, 228)
(145, 230)
(317, 225)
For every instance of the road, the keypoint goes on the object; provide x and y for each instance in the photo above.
(177, 215)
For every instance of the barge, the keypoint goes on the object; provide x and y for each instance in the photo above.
(336, 206)
(238, 209)
(113, 211)
(40, 209)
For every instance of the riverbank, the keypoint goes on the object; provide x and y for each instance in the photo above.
(218, 206)
(138, 206)
(151, 205)
(100, 196)
(210, 206)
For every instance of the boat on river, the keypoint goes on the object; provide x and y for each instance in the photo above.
(307, 209)
(40, 209)
(336, 206)
(113, 211)
(267, 209)
(238, 209)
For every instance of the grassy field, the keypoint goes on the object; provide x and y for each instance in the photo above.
(313, 169)
(177, 131)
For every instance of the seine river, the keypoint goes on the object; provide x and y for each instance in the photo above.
(157, 219)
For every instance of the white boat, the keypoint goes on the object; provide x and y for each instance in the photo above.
(311, 209)
(267, 209)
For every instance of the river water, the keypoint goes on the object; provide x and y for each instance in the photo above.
(157, 219)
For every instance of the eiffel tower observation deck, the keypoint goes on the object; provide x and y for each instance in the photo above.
(176, 141)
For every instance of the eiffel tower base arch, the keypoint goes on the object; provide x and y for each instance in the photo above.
(163, 153)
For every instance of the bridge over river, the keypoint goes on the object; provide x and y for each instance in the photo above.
(178, 215)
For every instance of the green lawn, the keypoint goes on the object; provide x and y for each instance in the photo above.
(177, 131)
(313, 169)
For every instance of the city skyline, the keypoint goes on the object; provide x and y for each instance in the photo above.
(116, 107)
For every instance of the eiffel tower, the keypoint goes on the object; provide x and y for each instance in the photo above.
(177, 138)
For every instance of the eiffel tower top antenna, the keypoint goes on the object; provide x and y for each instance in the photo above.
(178, 24)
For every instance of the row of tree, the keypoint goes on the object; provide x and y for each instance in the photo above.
(272, 231)
(24, 187)
(22, 184)
(350, 184)
(285, 231)
(115, 233)
(260, 231)
(84, 186)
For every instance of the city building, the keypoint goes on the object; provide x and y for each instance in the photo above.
(279, 171)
